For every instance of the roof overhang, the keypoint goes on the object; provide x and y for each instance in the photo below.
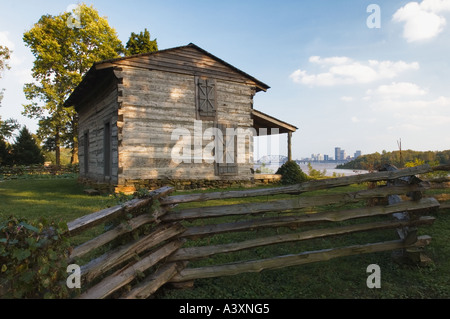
(267, 125)
(98, 69)
(93, 81)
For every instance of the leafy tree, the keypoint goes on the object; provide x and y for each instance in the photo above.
(141, 43)
(63, 52)
(25, 150)
(5, 153)
(5, 55)
(376, 160)
(8, 126)
(316, 174)
(291, 173)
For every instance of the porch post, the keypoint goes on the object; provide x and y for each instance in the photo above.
(289, 146)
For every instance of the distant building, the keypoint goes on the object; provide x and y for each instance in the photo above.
(357, 154)
(337, 153)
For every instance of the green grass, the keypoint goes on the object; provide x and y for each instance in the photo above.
(343, 278)
(56, 199)
(63, 199)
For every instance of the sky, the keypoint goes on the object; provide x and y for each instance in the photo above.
(355, 74)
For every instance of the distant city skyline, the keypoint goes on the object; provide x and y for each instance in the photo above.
(339, 155)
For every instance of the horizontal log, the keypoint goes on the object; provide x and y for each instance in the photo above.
(187, 70)
(192, 253)
(153, 282)
(445, 167)
(82, 223)
(300, 188)
(123, 253)
(291, 260)
(112, 234)
(439, 180)
(286, 204)
(124, 276)
(445, 205)
(330, 216)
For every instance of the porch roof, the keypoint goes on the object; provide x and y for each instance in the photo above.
(262, 120)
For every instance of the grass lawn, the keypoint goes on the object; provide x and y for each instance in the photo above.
(345, 277)
(54, 199)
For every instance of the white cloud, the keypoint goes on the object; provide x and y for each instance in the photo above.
(439, 105)
(4, 40)
(333, 60)
(436, 5)
(344, 70)
(397, 90)
(347, 98)
(14, 60)
(422, 21)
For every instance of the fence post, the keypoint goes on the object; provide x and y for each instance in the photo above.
(412, 255)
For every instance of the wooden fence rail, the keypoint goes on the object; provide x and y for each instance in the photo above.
(148, 246)
(158, 255)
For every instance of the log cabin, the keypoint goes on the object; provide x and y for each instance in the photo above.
(163, 117)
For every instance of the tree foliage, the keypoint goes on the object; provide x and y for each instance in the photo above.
(8, 126)
(141, 43)
(5, 55)
(376, 160)
(25, 150)
(5, 153)
(63, 53)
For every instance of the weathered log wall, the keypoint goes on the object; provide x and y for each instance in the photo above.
(155, 104)
(92, 118)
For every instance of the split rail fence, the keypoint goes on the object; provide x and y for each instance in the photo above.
(167, 244)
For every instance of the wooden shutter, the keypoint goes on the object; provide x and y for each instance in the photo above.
(229, 166)
(206, 97)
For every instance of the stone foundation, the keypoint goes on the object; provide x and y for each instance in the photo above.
(181, 184)
(132, 186)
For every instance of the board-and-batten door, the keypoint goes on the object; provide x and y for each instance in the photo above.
(226, 151)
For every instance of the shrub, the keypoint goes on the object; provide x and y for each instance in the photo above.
(291, 173)
(33, 259)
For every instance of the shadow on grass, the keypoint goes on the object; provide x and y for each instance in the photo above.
(56, 199)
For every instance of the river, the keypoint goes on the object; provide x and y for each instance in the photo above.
(329, 167)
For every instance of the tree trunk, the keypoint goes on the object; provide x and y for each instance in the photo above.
(74, 157)
(57, 149)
